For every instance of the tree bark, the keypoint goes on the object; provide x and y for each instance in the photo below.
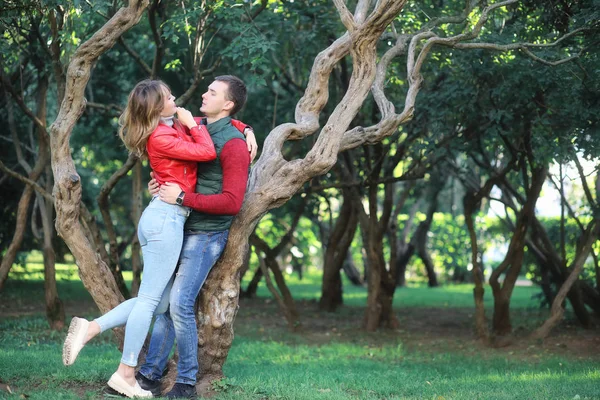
(557, 311)
(55, 310)
(548, 259)
(349, 268)
(218, 299)
(402, 251)
(136, 214)
(93, 271)
(514, 258)
(252, 287)
(420, 244)
(405, 252)
(478, 290)
(381, 283)
(379, 312)
(471, 203)
(335, 255)
(590, 296)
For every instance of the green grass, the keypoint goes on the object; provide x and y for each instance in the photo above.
(268, 362)
(30, 362)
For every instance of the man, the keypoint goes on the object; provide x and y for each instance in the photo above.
(220, 190)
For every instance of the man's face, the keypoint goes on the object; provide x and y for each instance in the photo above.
(214, 100)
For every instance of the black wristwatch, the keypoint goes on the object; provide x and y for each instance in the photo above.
(179, 199)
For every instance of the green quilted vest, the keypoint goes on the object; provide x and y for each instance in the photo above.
(210, 178)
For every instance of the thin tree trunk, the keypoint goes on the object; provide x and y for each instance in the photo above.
(403, 250)
(55, 310)
(287, 301)
(590, 296)
(405, 253)
(543, 248)
(514, 258)
(577, 302)
(428, 263)
(374, 310)
(283, 299)
(34, 174)
(136, 214)
(546, 287)
(252, 287)
(17, 240)
(335, 256)
(332, 291)
(352, 273)
(381, 284)
(557, 306)
(381, 290)
(478, 291)
(21, 224)
(419, 239)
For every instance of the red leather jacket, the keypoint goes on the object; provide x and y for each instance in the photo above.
(174, 152)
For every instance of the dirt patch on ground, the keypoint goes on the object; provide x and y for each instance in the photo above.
(421, 329)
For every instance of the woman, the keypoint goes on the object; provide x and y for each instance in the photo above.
(173, 148)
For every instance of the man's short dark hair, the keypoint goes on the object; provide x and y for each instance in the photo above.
(236, 92)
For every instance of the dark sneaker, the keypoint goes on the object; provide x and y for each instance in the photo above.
(182, 391)
(148, 384)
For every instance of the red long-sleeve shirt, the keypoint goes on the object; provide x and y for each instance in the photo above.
(235, 161)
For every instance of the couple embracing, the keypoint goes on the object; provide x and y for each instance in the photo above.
(200, 170)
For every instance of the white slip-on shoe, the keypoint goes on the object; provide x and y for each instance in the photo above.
(74, 341)
(120, 385)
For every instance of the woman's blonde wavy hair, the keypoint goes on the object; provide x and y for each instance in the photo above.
(142, 115)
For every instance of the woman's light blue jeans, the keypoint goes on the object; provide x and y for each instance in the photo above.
(160, 232)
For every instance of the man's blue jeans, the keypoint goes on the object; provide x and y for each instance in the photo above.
(200, 252)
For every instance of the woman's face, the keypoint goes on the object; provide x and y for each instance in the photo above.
(169, 107)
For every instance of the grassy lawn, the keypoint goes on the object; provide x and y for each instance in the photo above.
(432, 356)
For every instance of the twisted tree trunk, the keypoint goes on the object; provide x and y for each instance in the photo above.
(94, 272)
(274, 180)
